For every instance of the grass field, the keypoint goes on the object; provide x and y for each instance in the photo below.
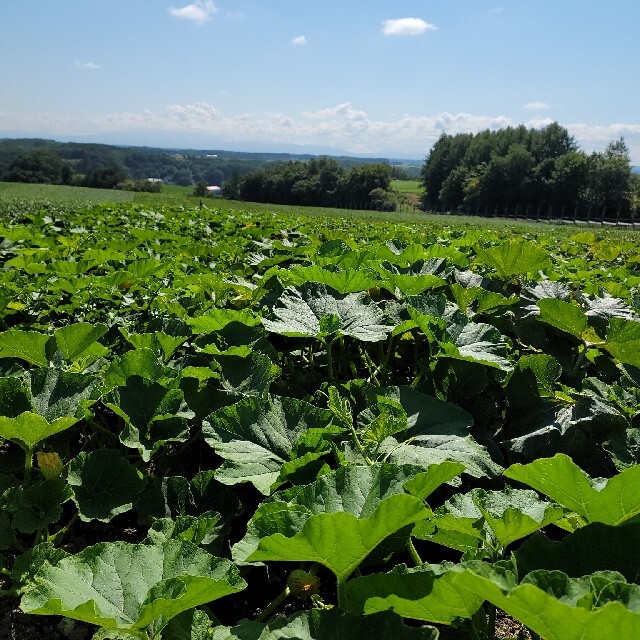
(18, 194)
(408, 186)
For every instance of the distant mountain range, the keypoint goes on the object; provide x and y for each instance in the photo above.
(635, 169)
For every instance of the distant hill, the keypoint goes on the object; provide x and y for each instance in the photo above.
(635, 169)
(82, 161)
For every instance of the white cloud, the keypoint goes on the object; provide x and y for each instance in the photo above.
(199, 11)
(537, 106)
(342, 127)
(406, 27)
(496, 11)
(86, 66)
(299, 40)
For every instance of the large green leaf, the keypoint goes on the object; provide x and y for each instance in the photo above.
(564, 316)
(493, 519)
(56, 394)
(341, 541)
(75, 339)
(25, 345)
(596, 547)
(429, 449)
(426, 593)
(326, 625)
(34, 507)
(623, 341)
(250, 376)
(159, 342)
(138, 362)
(30, 428)
(513, 258)
(478, 342)
(612, 501)
(215, 320)
(356, 490)
(153, 414)
(344, 281)
(104, 484)
(557, 607)
(256, 437)
(137, 589)
(315, 310)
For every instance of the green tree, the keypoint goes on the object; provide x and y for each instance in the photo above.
(200, 190)
(40, 165)
(610, 180)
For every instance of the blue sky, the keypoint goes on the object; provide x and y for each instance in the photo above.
(366, 77)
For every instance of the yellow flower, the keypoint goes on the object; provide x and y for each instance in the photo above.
(49, 464)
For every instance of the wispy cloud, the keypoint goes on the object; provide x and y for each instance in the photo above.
(406, 27)
(86, 66)
(495, 12)
(200, 11)
(299, 40)
(537, 106)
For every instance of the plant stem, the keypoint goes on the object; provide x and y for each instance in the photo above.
(414, 554)
(360, 447)
(58, 535)
(491, 619)
(189, 443)
(28, 465)
(342, 595)
(329, 359)
(273, 605)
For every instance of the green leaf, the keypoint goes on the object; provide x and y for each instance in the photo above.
(202, 529)
(356, 490)
(104, 484)
(624, 448)
(29, 428)
(623, 341)
(513, 258)
(326, 625)
(479, 342)
(36, 506)
(158, 342)
(425, 593)
(256, 436)
(247, 376)
(25, 345)
(190, 625)
(153, 414)
(139, 362)
(214, 320)
(557, 607)
(411, 285)
(56, 394)
(425, 450)
(493, 518)
(341, 541)
(132, 588)
(75, 339)
(14, 398)
(596, 547)
(565, 316)
(612, 501)
(300, 311)
(344, 281)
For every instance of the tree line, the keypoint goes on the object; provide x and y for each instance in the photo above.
(109, 166)
(320, 182)
(529, 170)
